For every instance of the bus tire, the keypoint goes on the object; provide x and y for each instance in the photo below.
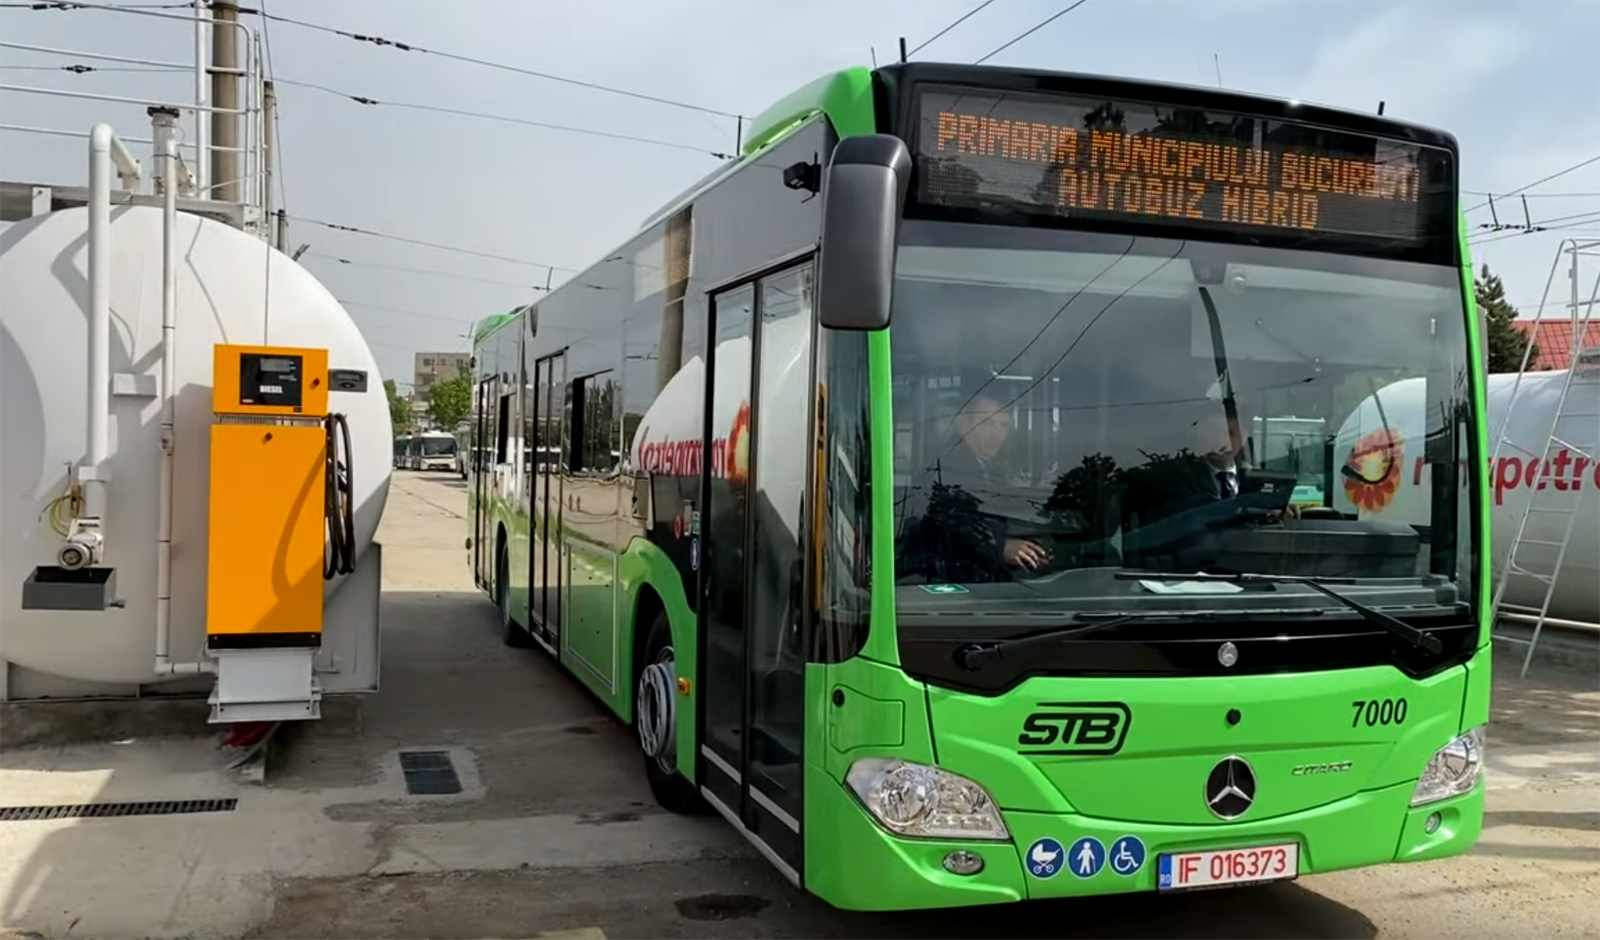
(655, 717)
(511, 634)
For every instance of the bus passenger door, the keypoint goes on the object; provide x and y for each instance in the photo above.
(752, 486)
(549, 431)
(482, 487)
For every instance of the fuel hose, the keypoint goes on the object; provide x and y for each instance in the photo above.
(339, 505)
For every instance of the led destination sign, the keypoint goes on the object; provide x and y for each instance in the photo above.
(1094, 159)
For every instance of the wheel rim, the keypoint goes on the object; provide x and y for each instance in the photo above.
(657, 710)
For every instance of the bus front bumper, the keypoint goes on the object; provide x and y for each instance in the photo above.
(854, 864)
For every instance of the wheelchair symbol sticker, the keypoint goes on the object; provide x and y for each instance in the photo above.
(1127, 855)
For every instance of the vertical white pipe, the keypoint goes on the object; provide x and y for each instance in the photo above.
(165, 132)
(97, 443)
(165, 121)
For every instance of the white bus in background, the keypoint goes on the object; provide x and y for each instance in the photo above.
(1293, 445)
(432, 450)
(463, 457)
(1570, 485)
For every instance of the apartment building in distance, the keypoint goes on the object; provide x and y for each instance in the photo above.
(431, 368)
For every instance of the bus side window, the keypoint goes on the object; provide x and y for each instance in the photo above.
(503, 431)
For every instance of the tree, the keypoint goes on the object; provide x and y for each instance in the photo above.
(399, 408)
(1506, 343)
(450, 402)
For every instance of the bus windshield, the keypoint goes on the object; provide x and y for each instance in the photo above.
(438, 447)
(1070, 407)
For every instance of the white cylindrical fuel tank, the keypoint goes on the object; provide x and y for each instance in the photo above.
(1571, 489)
(231, 288)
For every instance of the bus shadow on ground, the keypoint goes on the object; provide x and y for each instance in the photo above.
(544, 746)
(1266, 911)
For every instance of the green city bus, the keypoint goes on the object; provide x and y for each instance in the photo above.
(895, 483)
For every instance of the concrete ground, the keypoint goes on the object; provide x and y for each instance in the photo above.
(555, 834)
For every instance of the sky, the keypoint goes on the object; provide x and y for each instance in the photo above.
(1517, 83)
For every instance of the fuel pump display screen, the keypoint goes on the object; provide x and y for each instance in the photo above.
(269, 380)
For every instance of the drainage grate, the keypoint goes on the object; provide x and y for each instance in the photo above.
(113, 810)
(429, 773)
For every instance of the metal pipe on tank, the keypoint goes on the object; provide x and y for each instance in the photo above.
(225, 98)
(97, 442)
(202, 85)
(165, 122)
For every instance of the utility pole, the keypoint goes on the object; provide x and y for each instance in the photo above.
(225, 98)
(269, 144)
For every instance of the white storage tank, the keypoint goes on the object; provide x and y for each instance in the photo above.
(230, 288)
(1572, 485)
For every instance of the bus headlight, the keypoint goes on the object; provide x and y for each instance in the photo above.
(925, 802)
(1453, 770)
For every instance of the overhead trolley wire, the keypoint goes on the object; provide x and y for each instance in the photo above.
(1047, 21)
(959, 20)
(62, 5)
(1476, 192)
(457, 320)
(80, 69)
(1557, 175)
(427, 271)
(399, 46)
(503, 118)
(427, 244)
(1592, 219)
(485, 63)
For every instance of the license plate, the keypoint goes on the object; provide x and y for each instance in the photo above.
(1230, 867)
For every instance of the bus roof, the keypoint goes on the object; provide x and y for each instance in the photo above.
(845, 97)
(491, 323)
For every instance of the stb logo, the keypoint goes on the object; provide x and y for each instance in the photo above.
(1089, 728)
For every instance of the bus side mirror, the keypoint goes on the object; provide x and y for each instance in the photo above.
(862, 199)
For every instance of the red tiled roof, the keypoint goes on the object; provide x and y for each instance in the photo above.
(1554, 339)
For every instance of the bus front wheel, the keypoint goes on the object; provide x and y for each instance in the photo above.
(655, 720)
(511, 634)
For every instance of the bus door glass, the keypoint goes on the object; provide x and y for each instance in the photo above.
(549, 428)
(482, 484)
(754, 474)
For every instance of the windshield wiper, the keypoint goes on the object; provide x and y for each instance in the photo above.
(975, 656)
(1405, 631)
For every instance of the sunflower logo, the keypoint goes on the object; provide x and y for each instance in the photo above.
(1373, 470)
(739, 445)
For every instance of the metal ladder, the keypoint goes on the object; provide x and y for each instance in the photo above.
(1581, 315)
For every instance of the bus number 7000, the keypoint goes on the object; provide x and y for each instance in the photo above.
(1389, 711)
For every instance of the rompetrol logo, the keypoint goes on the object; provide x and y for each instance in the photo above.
(1374, 470)
(1230, 788)
(1088, 728)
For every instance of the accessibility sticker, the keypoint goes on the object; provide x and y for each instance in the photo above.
(1087, 856)
(1127, 855)
(1044, 858)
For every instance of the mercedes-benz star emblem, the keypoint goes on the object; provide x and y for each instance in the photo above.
(1227, 654)
(1230, 788)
